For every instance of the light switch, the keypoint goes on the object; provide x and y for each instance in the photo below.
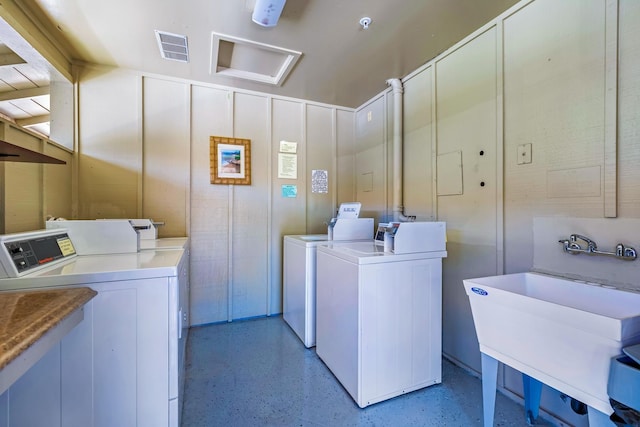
(524, 154)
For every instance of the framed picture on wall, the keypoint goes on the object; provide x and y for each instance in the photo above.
(230, 160)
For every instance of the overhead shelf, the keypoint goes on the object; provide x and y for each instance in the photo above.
(13, 153)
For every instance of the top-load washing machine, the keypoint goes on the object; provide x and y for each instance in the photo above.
(379, 312)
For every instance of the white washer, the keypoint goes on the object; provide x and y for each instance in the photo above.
(124, 363)
(379, 318)
(299, 285)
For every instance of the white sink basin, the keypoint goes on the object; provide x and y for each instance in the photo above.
(559, 331)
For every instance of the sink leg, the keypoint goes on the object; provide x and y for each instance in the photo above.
(489, 379)
(532, 392)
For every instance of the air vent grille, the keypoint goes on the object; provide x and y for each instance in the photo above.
(173, 46)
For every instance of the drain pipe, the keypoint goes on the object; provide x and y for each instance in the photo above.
(398, 209)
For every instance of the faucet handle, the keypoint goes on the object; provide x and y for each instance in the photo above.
(570, 246)
(630, 254)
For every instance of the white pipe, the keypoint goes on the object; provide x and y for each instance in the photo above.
(398, 209)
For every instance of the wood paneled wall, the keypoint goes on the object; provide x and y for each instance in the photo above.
(144, 152)
(31, 191)
(544, 73)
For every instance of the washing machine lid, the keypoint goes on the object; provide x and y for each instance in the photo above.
(371, 252)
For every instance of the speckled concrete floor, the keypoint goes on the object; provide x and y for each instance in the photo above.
(258, 373)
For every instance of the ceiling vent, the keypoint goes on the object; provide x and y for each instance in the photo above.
(173, 46)
(245, 59)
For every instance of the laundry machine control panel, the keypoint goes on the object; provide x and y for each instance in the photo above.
(23, 253)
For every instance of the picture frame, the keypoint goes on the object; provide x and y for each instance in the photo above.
(230, 160)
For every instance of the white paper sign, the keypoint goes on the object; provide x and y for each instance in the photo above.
(288, 147)
(287, 166)
(319, 181)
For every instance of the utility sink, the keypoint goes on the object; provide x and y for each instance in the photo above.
(558, 331)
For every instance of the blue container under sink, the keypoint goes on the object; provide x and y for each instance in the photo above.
(624, 387)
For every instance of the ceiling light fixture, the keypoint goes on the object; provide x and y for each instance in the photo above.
(267, 12)
(365, 22)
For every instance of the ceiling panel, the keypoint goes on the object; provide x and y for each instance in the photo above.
(21, 98)
(341, 62)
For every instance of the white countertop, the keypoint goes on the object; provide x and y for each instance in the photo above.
(87, 269)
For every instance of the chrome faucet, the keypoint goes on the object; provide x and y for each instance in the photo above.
(572, 246)
(592, 247)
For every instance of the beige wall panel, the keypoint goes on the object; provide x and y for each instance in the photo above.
(320, 156)
(370, 124)
(166, 155)
(371, 159)
(466, 121)
(61, 94)
(109, 144)
(211, 114)
(370, 183)
(17, 136)
(250, 210)
(417, 147)
(287, 213)
(628, 106)
(344, 184)
(23, 197)
(554, 100)
(29, 190)
(23, 189)
(58, 183)
(3, 185)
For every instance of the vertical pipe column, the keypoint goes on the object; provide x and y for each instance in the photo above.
(398, 209)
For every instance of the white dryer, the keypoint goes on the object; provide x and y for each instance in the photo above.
(299, 285)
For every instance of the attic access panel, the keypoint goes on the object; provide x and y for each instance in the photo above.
(245, 59)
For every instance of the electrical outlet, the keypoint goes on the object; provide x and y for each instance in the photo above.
(524, 154)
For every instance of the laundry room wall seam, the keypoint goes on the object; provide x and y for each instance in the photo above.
(269, 204)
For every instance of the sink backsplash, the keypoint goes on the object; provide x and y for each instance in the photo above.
(549, 256)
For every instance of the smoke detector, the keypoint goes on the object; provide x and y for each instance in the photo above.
(365, 22)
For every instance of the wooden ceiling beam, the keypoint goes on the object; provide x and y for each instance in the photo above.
(24, 93)
(34, 120)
